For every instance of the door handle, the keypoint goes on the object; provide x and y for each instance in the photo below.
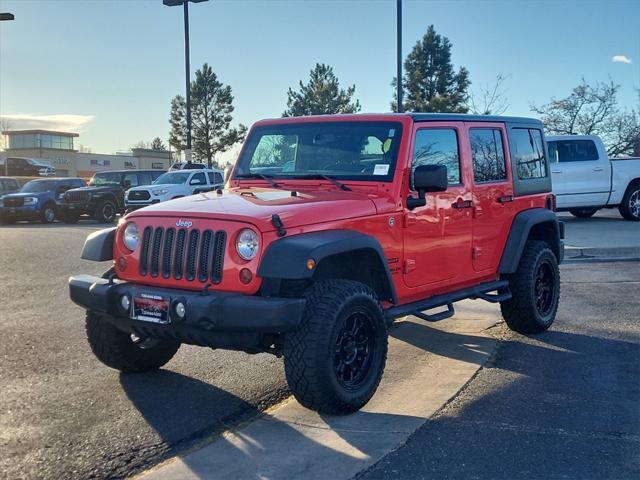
(597, 169)
(460, 204)
(556, 171)
(505, 199)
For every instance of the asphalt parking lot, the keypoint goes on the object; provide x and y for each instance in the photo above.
(62, 414)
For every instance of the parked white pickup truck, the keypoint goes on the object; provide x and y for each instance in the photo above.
(585, 179)
(173, 184)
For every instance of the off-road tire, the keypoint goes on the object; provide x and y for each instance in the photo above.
(522, 312)
(116, 349)
(106, 212)
(630, 206)
(311, 356)
(583, 212)
(48, 213)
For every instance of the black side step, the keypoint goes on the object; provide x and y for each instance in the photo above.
(481, 291)
(449, 312)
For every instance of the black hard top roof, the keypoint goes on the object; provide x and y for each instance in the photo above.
(464, 117)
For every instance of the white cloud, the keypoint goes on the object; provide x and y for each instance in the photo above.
(59, 122)
(620, 59)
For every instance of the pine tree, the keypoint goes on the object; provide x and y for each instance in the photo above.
(430, 82)
(157, 144)
(178, 122)
(322, 95)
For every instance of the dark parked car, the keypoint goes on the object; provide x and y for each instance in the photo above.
(27, 167)
(8, 185)
(37, 200)
(103, 198)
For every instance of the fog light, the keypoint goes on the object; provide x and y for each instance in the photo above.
(125, 302)
(181, 310)
(246, 276)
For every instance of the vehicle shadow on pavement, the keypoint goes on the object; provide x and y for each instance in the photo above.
(553, 405)
(183, 412)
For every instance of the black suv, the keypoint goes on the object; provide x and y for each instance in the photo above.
(103, 198)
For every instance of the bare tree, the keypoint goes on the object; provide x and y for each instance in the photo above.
(490, 100)
(5, 126)
(593, 110)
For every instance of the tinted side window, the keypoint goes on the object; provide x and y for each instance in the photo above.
(528, 154)
(131, 179)
(218, 177)
(487, 154)
(572, 151)
(437, 146)
(198, 177)
(144, 179)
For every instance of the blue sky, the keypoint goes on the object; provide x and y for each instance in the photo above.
(109, 68)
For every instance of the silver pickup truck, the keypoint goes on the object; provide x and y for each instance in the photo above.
(585, 179)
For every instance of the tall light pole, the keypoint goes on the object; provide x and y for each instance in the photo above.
(6, 17)
(187, 68)
(399, 53)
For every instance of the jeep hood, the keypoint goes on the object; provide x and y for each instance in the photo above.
(257, 205)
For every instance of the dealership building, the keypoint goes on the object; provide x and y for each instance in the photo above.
(57, 149)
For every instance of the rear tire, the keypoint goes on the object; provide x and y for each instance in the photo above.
(106, 212)
(335, 361)
(583, 212)
(535, 289)
(120, 350)
(48, 214)
(630, 206)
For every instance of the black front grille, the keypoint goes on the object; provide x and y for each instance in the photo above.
(139, 195)
(13, 202)
(80, 196)
(181, 253)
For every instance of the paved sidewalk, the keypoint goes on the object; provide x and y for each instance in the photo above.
(427, 365)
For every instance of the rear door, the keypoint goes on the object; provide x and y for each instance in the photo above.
(437, 237)
(580, 172)
(492, 193)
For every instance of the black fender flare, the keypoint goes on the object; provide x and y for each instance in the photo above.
(98, 246)
(520, 231)
(286, 258)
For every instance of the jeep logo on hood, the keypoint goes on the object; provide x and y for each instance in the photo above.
(184, 223)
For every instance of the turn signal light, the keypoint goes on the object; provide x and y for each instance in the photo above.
(311, 264)
(246, 276)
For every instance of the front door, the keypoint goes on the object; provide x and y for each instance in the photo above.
(492, 193)
(437, 238)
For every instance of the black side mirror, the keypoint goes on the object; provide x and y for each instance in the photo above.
(427, 178)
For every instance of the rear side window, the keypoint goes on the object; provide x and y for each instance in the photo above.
(572, 151)
(487, 154)
(437, 146)
(144, 179)
(215, 178)
(528, 154)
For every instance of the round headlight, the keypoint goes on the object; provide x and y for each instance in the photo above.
(247, 244)
(130, 236)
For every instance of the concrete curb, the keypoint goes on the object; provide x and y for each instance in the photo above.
(428, 364)
(575, 254)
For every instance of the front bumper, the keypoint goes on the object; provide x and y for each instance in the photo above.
(26, 212)
(76, 207)
(207, 314)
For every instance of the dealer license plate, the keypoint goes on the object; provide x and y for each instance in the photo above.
(151, 308)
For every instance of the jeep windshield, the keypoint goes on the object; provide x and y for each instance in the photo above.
(37, 186)
(345, 150)
(106, 178)
(172, 178)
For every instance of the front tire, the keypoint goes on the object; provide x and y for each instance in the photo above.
(583, 212)
(106, 212)
(630, 206)
(48, 214)
(126, 352)
(535, 289)
(335, 361)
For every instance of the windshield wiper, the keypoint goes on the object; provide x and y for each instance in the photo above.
(337, 183)
(267, 178)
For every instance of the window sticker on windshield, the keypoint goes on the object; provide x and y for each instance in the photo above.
(381, 169)
(392, 132)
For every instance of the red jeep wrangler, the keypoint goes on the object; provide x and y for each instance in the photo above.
(332, 227)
